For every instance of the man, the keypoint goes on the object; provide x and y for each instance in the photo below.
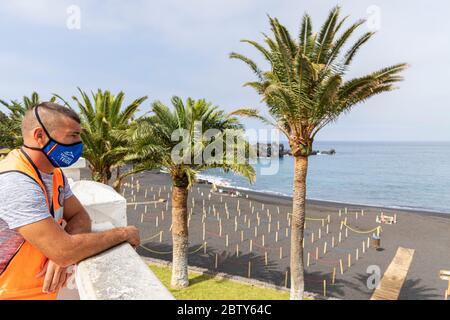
(43, 227)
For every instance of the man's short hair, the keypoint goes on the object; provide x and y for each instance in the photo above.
(48, 113)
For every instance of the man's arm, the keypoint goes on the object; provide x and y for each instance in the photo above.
(75, 215)
(65, 249)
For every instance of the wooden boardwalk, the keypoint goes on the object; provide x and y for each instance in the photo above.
(395, 275)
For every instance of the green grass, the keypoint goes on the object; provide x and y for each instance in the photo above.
(207, 287)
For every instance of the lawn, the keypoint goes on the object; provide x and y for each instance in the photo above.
(207, 287)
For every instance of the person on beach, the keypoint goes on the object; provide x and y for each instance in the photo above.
(43, 227)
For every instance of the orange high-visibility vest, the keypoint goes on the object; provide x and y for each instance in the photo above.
(22, 264)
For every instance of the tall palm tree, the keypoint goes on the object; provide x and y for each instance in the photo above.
(16, 112)
(304, 90)
(154, 144)
(104, 122)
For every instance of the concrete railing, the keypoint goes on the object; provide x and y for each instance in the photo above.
(115, 274)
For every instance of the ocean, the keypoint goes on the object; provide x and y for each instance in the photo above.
(407, 175)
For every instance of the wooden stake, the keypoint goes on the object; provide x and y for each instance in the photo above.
(312, 237)
(340, 265)
(325, 248)
(160, 236)
(263, 240)
(281, 253)
(327, 229)
(142, 218)
(349, 260)
(265, 257)
(324, 288)
(332, 241)
(226, 240)
(334, 276)
(204, 231)
(317, 253)
(251, 245)
(340, 237)
(237, 250)
(276, 236)
(204, 247)
(307, 260)
(215, 265)
(242, 235)
(286, 278)
(249, 268)
(320, 233)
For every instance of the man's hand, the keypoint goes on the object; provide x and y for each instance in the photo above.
(132, 236)
(55, 277)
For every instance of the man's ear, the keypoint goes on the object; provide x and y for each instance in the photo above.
(39, 137)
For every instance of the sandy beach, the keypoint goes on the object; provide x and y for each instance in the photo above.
(232, 241)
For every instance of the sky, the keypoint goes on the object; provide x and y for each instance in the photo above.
(180, 47)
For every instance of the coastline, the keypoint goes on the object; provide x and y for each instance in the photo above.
(425, 232)
(333, 203)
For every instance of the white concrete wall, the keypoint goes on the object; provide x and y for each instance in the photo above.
(118, 273)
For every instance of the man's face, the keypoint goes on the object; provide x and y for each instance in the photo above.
(67, 131)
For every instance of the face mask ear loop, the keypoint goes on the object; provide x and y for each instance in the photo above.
(40, 122)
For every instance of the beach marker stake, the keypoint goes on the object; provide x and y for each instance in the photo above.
(251, 245)
(249, 268)
(324, 288)
(242, 235)
(263, 240)
(237, 250)
(226, 240)
(312, 237)
(307, 260)
(161, 235)
(142, 217)
(215, 265)
(203, 231)
(340, 265)
(286, 278)
(325, 248)
(357, 254)
(281, 253)
(340, 237)
(317, 253)
(265, 257)
(334, 276)
(204, 247)
(349, 260)
(320, 233)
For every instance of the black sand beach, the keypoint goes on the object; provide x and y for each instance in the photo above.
(425, 232)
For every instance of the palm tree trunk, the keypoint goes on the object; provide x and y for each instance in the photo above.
(179, 238)
(297, 228)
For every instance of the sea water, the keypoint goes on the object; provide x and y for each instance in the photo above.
(411, 175)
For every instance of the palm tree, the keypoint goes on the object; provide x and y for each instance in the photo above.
(104, 123)
(154, 144)
(17, 111)
(305, 90)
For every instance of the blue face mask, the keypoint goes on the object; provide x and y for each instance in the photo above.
(59, 154)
